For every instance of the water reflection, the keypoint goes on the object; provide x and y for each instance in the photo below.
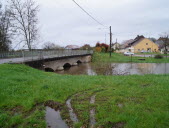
(81, 69)
(117, 69)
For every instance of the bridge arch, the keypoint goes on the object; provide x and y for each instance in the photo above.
(79, 62)
(49, 69)
(66, 65)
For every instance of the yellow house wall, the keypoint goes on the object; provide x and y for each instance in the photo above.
(142, 46)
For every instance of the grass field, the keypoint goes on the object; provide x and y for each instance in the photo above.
(120, 58)
(121, 101)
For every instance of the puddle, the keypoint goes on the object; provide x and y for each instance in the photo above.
(53, 119)
(118, 125)
(92, 99)
(92, 112)
(120, 105)
(73, 116)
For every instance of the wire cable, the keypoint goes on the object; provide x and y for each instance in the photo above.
(87, 13)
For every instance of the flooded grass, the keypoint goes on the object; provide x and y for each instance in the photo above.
(125, 101)
(120, 58)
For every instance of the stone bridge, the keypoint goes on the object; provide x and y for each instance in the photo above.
(49, 60)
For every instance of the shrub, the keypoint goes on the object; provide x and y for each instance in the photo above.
(103, 49)
(158, 56)
(98, 49)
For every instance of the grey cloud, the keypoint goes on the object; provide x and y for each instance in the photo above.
(64, 23)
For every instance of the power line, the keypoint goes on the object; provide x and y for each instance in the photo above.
(87, 13)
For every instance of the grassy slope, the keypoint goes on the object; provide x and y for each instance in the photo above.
(144, 99)
(120, 58)
(24, 87)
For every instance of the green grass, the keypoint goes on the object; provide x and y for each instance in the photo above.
(144, 100)
(120, 58)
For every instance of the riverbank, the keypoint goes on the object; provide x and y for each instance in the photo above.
(130, 101)
(120, 58)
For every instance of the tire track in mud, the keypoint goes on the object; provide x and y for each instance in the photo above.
(92, 112)
(72, 114)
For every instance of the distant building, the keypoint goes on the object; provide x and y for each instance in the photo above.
(140, 44)
(72, 47)
(161, 44)
(116, 46)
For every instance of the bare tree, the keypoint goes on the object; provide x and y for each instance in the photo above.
(5, 34)
(24, 16)
(165, 38)
(50, 45)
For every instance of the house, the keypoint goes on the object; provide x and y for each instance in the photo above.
(116, 46)
(162, 45)
(72, 47)
(162, 50)
(124, 45)
(140, 44)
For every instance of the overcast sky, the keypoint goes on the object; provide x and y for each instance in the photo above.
(64, 23)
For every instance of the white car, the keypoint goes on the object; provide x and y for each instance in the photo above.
(128, 53)
(143, 51)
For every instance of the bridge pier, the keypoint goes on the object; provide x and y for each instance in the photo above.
(74, 64)
(59, 69)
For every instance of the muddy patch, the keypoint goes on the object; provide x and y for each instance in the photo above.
(53, 104)
(73, 116)
(118, 125)
(54, 119)
(92, 112)
(92, 99)
(14, 111)
(146, 85)
(114, 125)
(137, 100)
(120, 105)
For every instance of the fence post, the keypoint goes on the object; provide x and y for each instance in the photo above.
(23, 56)
(32, 54)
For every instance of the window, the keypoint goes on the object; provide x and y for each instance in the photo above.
(146, 43)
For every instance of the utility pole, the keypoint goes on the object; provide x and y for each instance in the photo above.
(110, 41)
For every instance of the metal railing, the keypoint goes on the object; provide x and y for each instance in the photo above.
(23, 56)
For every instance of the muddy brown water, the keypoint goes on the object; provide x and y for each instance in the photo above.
(117, 69)
(54, 119)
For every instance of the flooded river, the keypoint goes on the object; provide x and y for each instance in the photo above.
(117, 69)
